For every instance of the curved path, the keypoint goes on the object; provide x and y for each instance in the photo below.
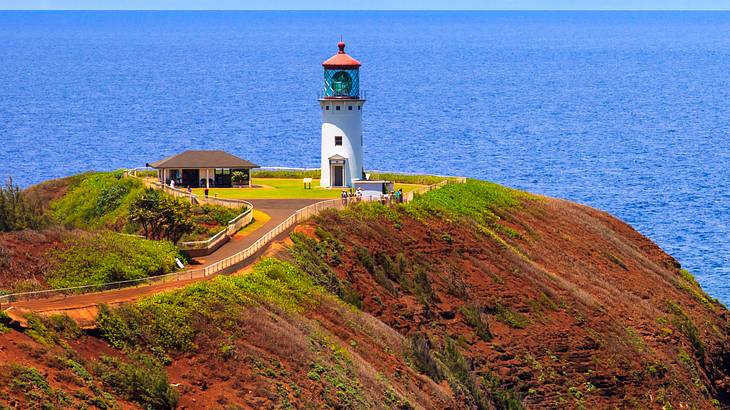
(278, 209)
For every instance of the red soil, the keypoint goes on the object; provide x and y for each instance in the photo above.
(595, 293)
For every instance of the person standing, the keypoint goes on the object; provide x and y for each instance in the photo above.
(206, 192)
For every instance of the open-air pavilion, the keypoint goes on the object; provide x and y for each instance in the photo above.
(204, 169)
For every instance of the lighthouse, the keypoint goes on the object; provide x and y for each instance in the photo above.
(341, 121)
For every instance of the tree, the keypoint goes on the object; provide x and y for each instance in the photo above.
(161, 216)
(16, 211)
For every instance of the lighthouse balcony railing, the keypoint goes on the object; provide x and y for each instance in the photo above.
(322, 95)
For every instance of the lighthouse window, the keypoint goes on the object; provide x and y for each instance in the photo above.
(338, 108)
(349, 107)
(338, 140)
(359, 107)
(328, 108)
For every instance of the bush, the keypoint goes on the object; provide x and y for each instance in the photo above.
(99, 199)
(511, 317)
(143, 380)
(161, 216)
(424, 359)
(167, 320)
(313, 257)
(286, 173)
(16, 211)
(111, 257)
(474, 318)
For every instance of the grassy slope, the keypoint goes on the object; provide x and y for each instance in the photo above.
(555, 304)
(504, 298)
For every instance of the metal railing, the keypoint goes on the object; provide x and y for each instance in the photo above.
(223, 265)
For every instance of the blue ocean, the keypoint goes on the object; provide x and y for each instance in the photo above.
(627, 112)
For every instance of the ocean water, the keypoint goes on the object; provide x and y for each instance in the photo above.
(627, 112)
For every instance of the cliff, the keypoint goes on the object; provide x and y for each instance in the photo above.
(471, 296)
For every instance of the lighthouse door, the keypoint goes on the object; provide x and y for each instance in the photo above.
(339, 177)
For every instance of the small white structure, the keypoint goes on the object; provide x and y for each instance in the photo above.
(374, 188)
(341, 121)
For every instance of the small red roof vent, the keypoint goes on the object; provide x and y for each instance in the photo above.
(341, 60)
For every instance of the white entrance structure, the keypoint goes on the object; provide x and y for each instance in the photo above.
(341, 121)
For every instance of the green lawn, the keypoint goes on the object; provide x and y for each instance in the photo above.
(280, 188)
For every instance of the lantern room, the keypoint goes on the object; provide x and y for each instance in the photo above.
(341, 76)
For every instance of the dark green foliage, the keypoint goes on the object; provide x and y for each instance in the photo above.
(220, 214)
(286, 173)
(113, 327)
(503, 399)
(685, 325)
(109, 257)
(460, 378)
(511, 317)
(29, 383)
(423, 357)
(17, 212)
(97, 200)
(422, 285)
(143, 380)
(171, 321)
(474, 318)
(314, 258)
(376, 269)
(161, 216)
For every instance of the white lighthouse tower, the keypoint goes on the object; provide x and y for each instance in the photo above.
(341, 121)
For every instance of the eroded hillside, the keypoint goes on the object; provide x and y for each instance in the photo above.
(472, 296)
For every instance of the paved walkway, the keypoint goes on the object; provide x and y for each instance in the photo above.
(278, 209)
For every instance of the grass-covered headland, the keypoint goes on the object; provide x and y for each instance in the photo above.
(471, 296)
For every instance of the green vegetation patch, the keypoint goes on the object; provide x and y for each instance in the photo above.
(476, 320)
(511, 317)
(171, 320)
(98, 200)
(687, 327)
(689, 284)
(142, 380)
(32, 385)
(110, 257)
(17, 210)
(479, 201)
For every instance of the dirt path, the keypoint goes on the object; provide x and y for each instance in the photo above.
(83, 307)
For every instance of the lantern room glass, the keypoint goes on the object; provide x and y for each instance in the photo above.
(341, 83)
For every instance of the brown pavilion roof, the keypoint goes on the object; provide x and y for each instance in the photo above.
(203, 159)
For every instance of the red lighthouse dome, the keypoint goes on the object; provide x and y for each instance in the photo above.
(341, 60)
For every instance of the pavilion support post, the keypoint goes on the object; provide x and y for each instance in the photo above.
(207, 177)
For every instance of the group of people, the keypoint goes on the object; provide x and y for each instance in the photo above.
(189, 188)
(395, 197)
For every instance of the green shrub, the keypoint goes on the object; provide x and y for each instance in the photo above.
(220, 214)
(99, 199)
(112, 327)
(685, 325)
(511, 317)
(286, 173)
(143, 380)
(32, 385)
(424, 359)
(168, 320)
(161, 216)
(110, 257)
(313, 257)
(460, 378)
(474, 318)
(17, 211)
